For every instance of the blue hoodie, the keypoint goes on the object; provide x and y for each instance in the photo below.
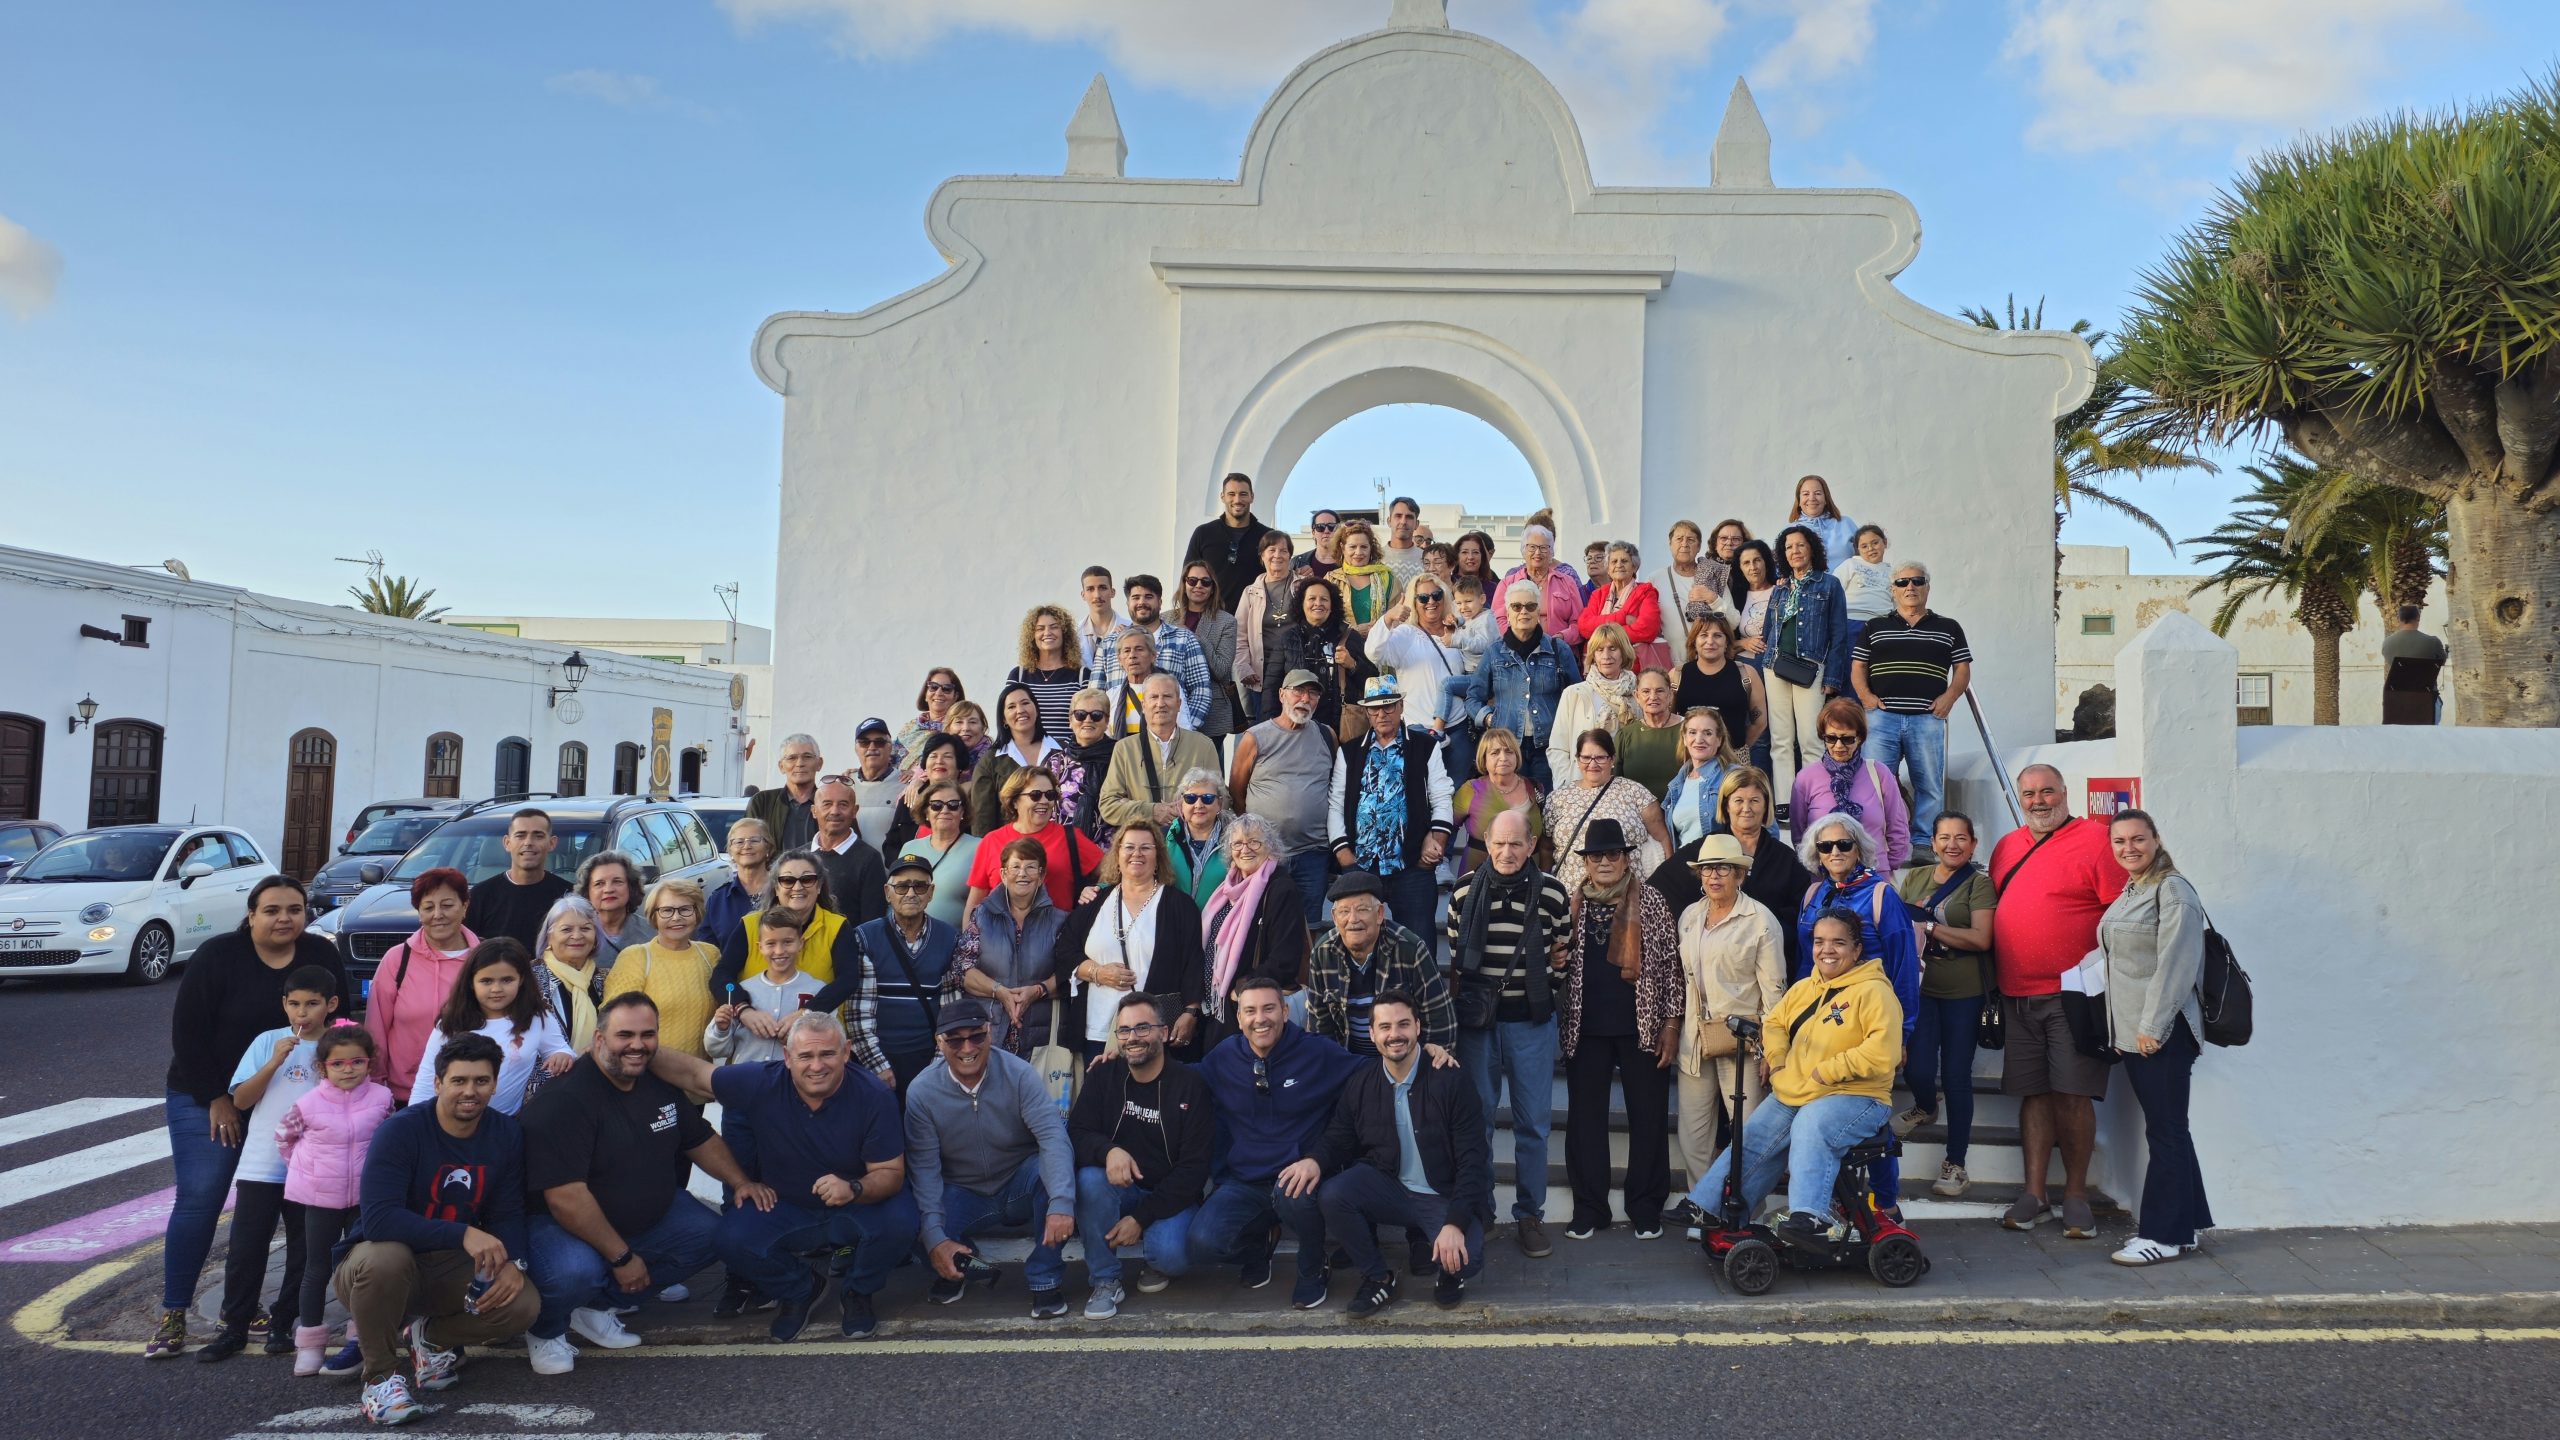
(1268, 1130)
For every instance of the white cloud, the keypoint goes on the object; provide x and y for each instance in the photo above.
(1829, 36)
(624, 91)
(2126, 72)
(29, 270)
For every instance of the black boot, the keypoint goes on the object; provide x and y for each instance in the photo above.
(232, 1340)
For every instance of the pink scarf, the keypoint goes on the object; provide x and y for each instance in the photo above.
(1240, 894)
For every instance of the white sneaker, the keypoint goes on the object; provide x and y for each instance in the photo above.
(2139, 1251)
(555, 1356)
(602, 1327)
(675, 1294)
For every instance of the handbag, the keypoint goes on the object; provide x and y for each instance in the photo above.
(1058, 1066)
(1795, 669)
(1475, 1000)
(1991, 1031)
(1716, 1040)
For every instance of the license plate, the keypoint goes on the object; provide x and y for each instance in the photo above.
(25, 942)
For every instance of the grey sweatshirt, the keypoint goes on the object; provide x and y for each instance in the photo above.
(978, 1142)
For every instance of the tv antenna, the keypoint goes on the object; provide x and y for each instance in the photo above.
(372, 562)
(728, 597)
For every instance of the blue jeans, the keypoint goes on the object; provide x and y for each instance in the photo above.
(1312, 870)
(204, 1168)
(1234, 1223)
(1941, 1061)
(1920, 742)
(1521, 1054)
(572, 1276)
(1364, 1197)
(1099, 1206)
(1458, 751)
(1413, 897)
(763, 1247)
(1804, 1143)
(1023, 1202)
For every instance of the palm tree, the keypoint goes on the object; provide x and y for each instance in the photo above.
(2262, 549)
(2403, 533)
(398, 596)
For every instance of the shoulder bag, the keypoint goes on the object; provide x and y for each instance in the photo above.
(2224, 999)
(1991, 1032)
(1058, 1066)
(1789, 666)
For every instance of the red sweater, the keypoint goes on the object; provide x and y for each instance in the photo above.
(2047, 920)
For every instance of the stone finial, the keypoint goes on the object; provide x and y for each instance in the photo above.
(1094, 143)
(1741, 159)
(1419, 15)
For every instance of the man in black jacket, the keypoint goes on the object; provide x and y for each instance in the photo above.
(1231, 544)
(1406, 1147)
(1142, 1128)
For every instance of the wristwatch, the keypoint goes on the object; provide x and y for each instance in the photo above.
(618, 1261)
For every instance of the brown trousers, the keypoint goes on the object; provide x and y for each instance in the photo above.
(383, 1283)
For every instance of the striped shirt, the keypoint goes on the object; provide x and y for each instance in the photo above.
(1907, 664)
(1505, 925)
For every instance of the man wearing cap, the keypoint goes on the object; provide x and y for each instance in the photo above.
(1733, 961)
(1274, 1085)
(1388, 810)
(1147, 768)
(1510, 936)
(1284, 773)
(987, 1148)
(1406, 1147)
(1621, 1022)
(785, 811)
(1365, 955)
(1522, 676)
(854, 873)
(878, 791)
(905, 954)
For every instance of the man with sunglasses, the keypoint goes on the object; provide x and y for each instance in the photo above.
(987, 1149)
(1143, 1130)
(905, 954)
(1231, 543)
(1177, 651)
(1910, 667)
(879, 792)
(1324, 558)
(1283, 769)
(1274, 1085)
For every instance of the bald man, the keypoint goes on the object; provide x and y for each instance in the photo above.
(1510, 935)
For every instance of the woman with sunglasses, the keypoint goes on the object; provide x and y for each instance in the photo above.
(941, 691)
(1846, 783)
(1416, 641)
(1024, 742)
(1195, 840)
(1047, 663)
(1139, 933)
(1201, 610)
(944, 760)
(1842, 854)
(1031, 798)
(800, 890)
(948, 847)
(1086, 763)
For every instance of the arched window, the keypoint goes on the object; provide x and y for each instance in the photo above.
(21, 766)
(310, 793)
(124, 773)
(626, 769)
(689, 771)
(573, 769)
(515, 769)
(444, 766)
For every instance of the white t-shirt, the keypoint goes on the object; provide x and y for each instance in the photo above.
(260, 1160)
(1105, 943)
(522, 1052)
(1421, 664)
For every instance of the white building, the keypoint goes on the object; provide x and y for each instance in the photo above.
(2104, 606)
(285, 718)
(722, 645)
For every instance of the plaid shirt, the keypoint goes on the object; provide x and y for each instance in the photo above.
(1402, 964)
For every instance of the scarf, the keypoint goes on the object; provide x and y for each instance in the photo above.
(1379, 846)
(1626, 944)
(1617, 697)
(1224, 924)
(1080, 794)
(569, 997)
(1844, 774)
(1489, 887)
(1354, 583)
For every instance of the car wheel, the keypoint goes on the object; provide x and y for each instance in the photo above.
(153, 950)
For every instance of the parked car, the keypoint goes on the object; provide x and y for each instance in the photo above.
(382, 808)
(130, 900)
(21, 839)
(717, 811)
(382, 843)
(665, 837)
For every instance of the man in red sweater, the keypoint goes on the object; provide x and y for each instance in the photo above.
(2054, 879)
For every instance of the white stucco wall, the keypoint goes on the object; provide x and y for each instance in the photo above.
(1414, 220)
(231, 676)
(2384, 887)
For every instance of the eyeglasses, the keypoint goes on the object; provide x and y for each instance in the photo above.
(1326, 527)
(1244, 847)
(1910, 582)
(1198, 580)
(793, 882)
(1840, 740)
(945, 807)
(1433, 598)
(1041, 797)
(1094, 715)
(1195, 797)
(1136, 1032)
(673, 910)
(867, 742)
(1592, 759)
(965, 1039)
(910, 887)
(1835, 847)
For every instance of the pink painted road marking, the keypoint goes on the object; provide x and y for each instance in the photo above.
(90, 1236)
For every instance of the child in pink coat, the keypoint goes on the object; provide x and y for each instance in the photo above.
(323, 1139)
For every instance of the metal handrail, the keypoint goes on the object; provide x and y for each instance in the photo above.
(1999, 767)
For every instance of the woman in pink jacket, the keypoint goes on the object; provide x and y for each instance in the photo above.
(323, 1139)
(411, 983)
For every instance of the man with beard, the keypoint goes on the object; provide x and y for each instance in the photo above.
(1406, 1147)
(1283, 769)
(1274, 1085)
(1230, 544)
(1142, 1128)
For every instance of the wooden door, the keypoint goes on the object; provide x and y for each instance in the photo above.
(310, 792)
(21, 767)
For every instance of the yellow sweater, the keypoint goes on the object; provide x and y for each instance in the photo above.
(678, 980)
(1848, 1047)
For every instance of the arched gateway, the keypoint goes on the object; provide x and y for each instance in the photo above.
(1414, 221)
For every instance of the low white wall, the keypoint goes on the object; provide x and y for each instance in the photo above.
(2385, 889)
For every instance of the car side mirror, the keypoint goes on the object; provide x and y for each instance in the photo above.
(648, 874)
(370, 874)
(342, 847)
(194, 871)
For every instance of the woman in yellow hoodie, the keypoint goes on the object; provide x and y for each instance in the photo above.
(1828, 1051)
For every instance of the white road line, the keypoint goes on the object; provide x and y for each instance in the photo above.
(36, 1124)
(29, 1182)
(377, 1434)
(564, 1417)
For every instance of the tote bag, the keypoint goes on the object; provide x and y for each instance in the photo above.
(1058, 1065)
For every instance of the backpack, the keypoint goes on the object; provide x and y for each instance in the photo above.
(2223, 996)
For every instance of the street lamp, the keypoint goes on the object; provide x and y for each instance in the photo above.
(88, 708)
(575, 670)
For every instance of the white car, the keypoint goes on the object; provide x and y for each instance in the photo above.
(130, 900)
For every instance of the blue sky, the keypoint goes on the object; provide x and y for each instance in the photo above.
(472, 283)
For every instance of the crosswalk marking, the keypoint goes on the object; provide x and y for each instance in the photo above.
(35, 1124)
(29, 1182)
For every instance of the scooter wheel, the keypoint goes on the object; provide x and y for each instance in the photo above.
(1751, 1266)
(1896, 1260)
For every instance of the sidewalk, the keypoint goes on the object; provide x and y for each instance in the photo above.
(1980, 1274)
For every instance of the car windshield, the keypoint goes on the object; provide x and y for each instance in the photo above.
(477, 848)
(717, 819)
(394, 836)
(101, 855)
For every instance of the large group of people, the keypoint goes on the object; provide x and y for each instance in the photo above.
(1239, 914)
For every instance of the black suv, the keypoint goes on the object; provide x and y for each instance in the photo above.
(664, 837)
(377, 848)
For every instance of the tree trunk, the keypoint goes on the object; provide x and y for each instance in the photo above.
(2324, 675)
(2504, 582)
(2412, 574)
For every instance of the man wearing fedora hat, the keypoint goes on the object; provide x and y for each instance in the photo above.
(1623, 1003)
(1389, 810)
(1733, 961)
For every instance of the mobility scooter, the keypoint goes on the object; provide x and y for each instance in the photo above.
(1860, 1234)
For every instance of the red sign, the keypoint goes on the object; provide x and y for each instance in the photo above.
(2111, 793)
